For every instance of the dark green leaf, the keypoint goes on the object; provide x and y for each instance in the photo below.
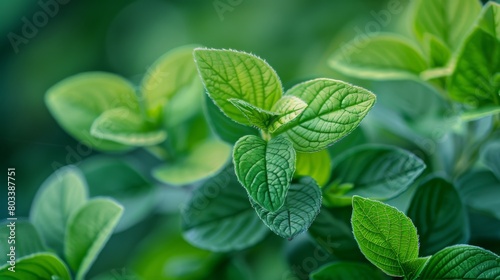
(347, 271)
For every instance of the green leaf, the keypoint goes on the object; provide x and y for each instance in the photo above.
(265, 169)
(227, 129)
(205, 160)
(59, 197)
(301, 207)
(462, 262)
(219, 218)
(116, 178)
(77, 101)
(490, 19)
(415, 267)
(385, 235)
(480, 191)
(347, 271)
(230, 74)
(255, 116)
(316, 165)
(374, 171)
(334, 110)
(288, 108)
(172, 78)
(124, 126)
(437, 51)
(332, 231)
(475, 114)
(88, 231)
(437, 211)
(491, 157)
(379, 57)
(475, 80)
(448, 20)
(35, 267)
(26, 240)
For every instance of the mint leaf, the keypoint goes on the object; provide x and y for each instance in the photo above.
(301, 207)
(316, 165)
(385, 235)
(219, 218)
(59, 197)
(334, 110)
(374, 171)
(347, 271)
(437, 211)
(437, 51)
(448, 20)
(475, 80)
(126, 127)
(232, 74)
(76, 102)
(117, 178)
(379, 57)
(172, 78)
(255, 116)
(37, 266)
(265, 169)
(462, 262)
(480, 191)
(228, 130)
(288, 108)
(27, 240)
(203, 161)
(88, 231)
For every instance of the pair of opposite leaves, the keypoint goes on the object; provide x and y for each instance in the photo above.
(308, 118)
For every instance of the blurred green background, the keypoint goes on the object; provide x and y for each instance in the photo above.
(125, 37)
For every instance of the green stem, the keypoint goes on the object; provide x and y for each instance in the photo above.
(265, 135)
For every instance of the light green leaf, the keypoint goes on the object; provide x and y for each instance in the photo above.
(172, 78)
(265, 169)
(127, 127)
(316, 165)
(379, 57)
(448, 20)
(35, 267)
(347, 271)
(88, 231)
(227, 129)
(219, 218)
(374, 171)
(288, 108)
(490, 19)
(437, 51)
(437, 211)
(302, 204)
(231, 74)
(385, 235)
(26, 240)
(475, 80)
(480, 191)
(491, 157)
(116, 178)
(77, 101)
(59, 197)
(334, 110)
(203, 161)
(414, 267)
(333, 232)
(255, 116)
(462, 262)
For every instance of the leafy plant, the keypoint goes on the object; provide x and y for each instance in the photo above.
(65, 232)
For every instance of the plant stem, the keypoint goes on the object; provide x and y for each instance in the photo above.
(265, 135)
